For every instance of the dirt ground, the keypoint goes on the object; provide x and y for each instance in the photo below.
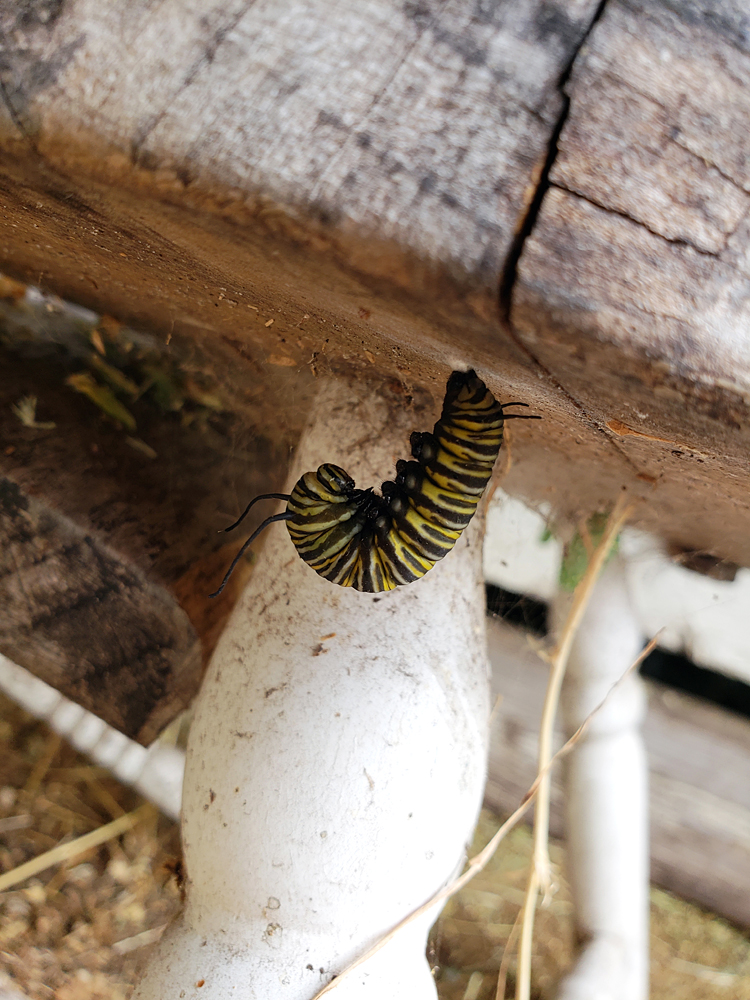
(84, 930)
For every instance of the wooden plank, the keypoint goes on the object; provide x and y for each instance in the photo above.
(408, 162)
(698, 754)
(148, 500)
(91, 625)
(339, 112)
(247, 182)
(640, 252)
(279, 191)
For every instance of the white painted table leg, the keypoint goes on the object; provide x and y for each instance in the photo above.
(607, 801)
(336, 762)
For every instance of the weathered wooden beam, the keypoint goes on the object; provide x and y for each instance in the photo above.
(373, 204)
(407, 163)
(107, 527)
(421, 125)
(89, 622)
(640, 254)
(287, 191)
(308, 220)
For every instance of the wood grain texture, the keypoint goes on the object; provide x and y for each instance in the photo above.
(639, 252)
(152, 497)
(420, 123)
(283, 189)
(354, 153)
(699, 800)
(89, 624)
(253, 182)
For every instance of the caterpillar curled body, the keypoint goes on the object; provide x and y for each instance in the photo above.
(356, 538)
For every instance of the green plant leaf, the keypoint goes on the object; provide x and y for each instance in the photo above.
(576, 555)
(103, 397)
(118, 381)
(164, 387)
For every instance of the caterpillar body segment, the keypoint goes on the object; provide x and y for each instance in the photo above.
(373, 543)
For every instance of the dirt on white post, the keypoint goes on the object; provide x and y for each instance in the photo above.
(606, 785)
(336, 761)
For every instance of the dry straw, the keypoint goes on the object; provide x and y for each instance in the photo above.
(540, 875)
(67, 851)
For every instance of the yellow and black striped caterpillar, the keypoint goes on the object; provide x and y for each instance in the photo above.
(372, 543)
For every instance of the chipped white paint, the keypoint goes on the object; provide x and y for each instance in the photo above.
(336, 760)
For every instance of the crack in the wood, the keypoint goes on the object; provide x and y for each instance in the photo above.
(709, 163)
(508, 277)
(358, 128)
(73, 602)
(534, 113)
(206, 57)
(676, 240)
(510, 271)
(5, 96)
(675, 133)
(14, 116)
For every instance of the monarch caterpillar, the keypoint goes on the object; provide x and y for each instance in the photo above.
(372, 543)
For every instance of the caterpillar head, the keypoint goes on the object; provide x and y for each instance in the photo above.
(464, 385)
(335, 480)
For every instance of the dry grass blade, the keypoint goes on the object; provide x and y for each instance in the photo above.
(104, 797)
(473, 986)
(64, 852)
(502, 972)
(495, 710)
(141, 940)
(41, 767)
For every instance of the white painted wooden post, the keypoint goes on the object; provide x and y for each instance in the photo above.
(336, 762)
(606, 779)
